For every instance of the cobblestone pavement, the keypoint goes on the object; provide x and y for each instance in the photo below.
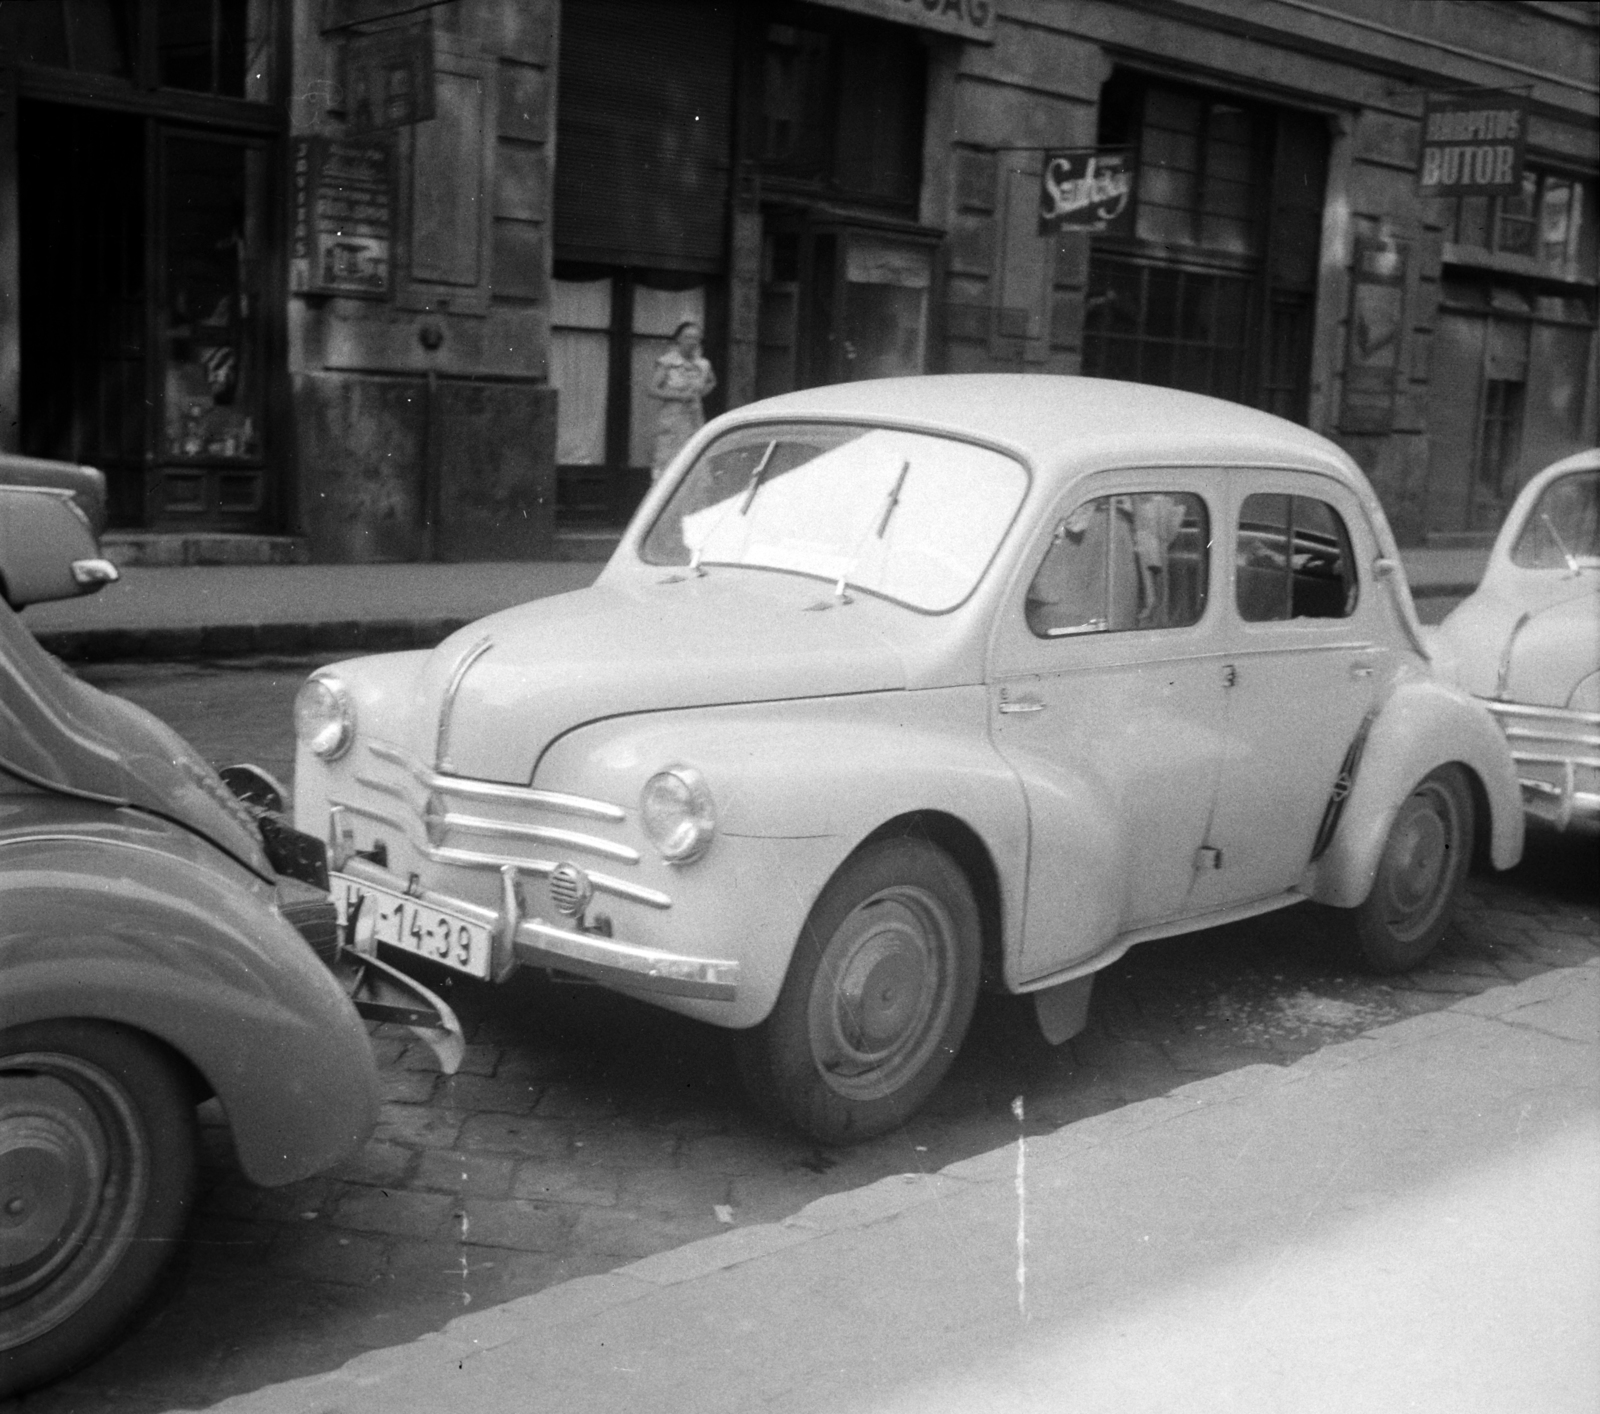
(585, 1131)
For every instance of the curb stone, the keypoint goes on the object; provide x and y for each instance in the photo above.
(467, 1336)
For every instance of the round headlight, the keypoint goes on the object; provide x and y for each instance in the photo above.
(325, 717)
(678, 813)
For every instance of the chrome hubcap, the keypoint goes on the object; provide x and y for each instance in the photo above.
(883, 992)
(1420, 858)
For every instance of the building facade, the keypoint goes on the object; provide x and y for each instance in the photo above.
(393, 275)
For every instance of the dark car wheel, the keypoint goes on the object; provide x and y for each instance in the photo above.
(1425, 860)
(878, 996)
(97, 1164)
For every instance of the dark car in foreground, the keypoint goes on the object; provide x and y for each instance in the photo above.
(164, 937)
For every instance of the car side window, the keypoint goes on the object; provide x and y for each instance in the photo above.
(1119, 563)
(1292, 560)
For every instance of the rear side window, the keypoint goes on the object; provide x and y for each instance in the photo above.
(1123, 562)
(1292, 560)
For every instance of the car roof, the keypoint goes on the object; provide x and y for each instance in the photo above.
(1066, 424)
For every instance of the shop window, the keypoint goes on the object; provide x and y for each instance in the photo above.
(1120, 563)
(1292, 560)
(1213, 289)
(1551, 221)
(842, 106)
(199, 46)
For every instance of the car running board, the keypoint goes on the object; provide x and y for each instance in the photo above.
(384, 993)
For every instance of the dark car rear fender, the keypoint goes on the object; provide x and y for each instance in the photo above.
(132, 920)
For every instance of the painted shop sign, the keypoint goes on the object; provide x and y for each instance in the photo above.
(1472, 145)
(388, 79)
(966, 19)
(1085, 189)
(344, 202)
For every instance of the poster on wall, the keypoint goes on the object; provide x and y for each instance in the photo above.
(1086, 189)
(388, 79)
(344, 202)
(1376, 334)
(1472, 144)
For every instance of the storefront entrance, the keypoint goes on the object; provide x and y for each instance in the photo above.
(141, 322)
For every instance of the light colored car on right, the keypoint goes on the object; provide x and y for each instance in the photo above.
(1528, 641)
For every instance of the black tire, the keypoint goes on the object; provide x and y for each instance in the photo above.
(97, 1170)
(877, 999)
(1424, 862)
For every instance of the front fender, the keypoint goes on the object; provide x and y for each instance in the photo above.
(800, 785)
(1424, 724)
(121, 927)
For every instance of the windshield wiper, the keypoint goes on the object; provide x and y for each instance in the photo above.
(1573, 567)
(894, 497)
(755, 477)
(841, 587)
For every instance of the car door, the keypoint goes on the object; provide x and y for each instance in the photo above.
(1303, 663)
(1106, 698)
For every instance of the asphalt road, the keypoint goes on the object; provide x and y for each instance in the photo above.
(586, 1130)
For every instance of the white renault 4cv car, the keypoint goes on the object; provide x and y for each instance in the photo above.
(894, 689)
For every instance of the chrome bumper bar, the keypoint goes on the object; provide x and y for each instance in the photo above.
(522, 940)
(1557, 755)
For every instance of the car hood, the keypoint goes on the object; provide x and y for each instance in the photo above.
(62, 734)
(1553, 645)
(496, 694)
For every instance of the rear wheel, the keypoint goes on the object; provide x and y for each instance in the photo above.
(1419, 877)
(878, 997)
(97, 1163)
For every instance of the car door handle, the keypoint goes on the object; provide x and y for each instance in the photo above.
(1010, 705)
(1361, 668)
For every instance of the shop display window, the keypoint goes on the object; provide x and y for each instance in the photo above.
(1551, 222)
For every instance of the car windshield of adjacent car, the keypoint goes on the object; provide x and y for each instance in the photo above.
(913, 517)
(1563, 528)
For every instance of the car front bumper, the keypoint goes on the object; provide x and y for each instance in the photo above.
(518, 939)
(1557, 755)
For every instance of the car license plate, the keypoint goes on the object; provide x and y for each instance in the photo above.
(438, 934)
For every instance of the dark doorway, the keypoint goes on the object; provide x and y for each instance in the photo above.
(141, 255)
(83, 308)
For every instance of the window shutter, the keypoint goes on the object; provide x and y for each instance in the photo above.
(643, 132)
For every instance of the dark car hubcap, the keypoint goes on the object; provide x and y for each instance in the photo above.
(74, 1170)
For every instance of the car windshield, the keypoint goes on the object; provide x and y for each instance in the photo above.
(909, 516)
(1565, 522)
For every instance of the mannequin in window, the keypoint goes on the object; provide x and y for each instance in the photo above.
(683, 377)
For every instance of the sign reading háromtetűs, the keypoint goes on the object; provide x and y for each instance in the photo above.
(1472, 145)
(1084, 189)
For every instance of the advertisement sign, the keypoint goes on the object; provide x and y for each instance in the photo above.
(1472, 144)
(1377, 327)
(344, 202)
(1086, 189)
(966, 19)
(388, 79)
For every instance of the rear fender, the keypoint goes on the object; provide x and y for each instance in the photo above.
(126, 933)
(1423, 725)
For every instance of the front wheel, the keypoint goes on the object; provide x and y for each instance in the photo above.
(878, 996)
(1419, 876)
(97, 1164)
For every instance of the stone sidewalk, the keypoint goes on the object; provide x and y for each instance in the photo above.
(1409, 1220)
(244, 610)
